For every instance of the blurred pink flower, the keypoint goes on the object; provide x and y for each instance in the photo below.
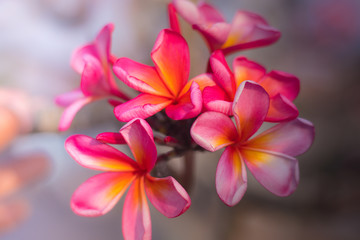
(99, 194)
(282, 87)
(93, 61)
(247, 30)
(164, 86)
(269, 156)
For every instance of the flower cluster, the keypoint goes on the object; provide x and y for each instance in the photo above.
(187, 115)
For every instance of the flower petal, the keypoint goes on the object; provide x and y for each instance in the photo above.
(77, 61)
(70, 112)
(215, 99)
(111, 138)
(278, 173)
(188, 106)
(281, 109)
(214, 34)
(167, 196)
(66, 99)
(276, 82)
(172, 61)
(143, 106)
(209, 14)
(231, 178)
(99, 194)
(213, 130)
(245, 69)
(290, 138)
(249, 30)
(203, 80)
(140, 77)
(251, 104)
(136, 222)
(103, 43)
(90, 153)
(174, 22)
(93, 78)
(187, 10)
(141, 143)
(223, 76)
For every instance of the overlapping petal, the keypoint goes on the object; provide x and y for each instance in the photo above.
(277, 82)
(140, 77)
(103, 43)
(92, 78)
(99, 194)
(215, 99)
(213, 130)
(174, 22)
(71, 110)
(249, 30)
(172, 60)
(281, 109)
(223, 76)
(231, 178)
(251, 104)
(111, 138)
(278, 173)
(291, 138)
(187, 106)
(77, 60)
(143, 106)
(93, 154)
(136, 222)
(141, 143)
(245, 69)
(167, 195)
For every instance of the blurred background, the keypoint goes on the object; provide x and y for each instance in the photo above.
(320, 44)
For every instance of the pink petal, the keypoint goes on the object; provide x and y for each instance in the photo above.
(278, 173)
(187, 106)
(251, 104)
(99, 194)
(214, 34)
(174, 22)
(66, 99)
(187, 10)
(143, 106)
(70, 112)
(111, 138)
(231, 180)
(249, 30)
(167, 196)
(281, 109)
(77, 61)
(290, 138)
(103, 42)
(140, 77)
(213, 130)
(276, 82)
(209, 14)
(141, 143)
(245, 69)
(215, 99)
(172, 61)
(203, 80)
(93, 78)
(136, 222)
(223, 76)
(90, 153)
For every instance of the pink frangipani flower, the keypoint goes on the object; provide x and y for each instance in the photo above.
(99, 194)
(269, 156)
(93, 61)
(282, 87)
(247, 30)
(164, 86)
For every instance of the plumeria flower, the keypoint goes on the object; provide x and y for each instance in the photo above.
(247, 30)
(93, 61)
(99, 194)
(282, 87)
(269, 156)
(164, 86)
